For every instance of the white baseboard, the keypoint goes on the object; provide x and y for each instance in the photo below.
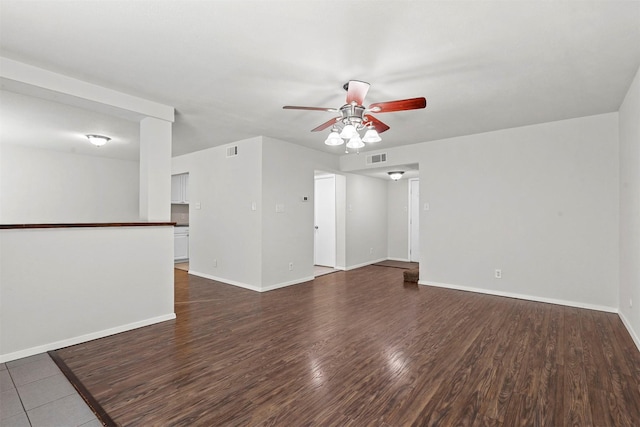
(399, 259)
(226, 281)
(83, 338)
(633, 334)
(522, 296)
(364, 264)
(252, 287)
(285, 284)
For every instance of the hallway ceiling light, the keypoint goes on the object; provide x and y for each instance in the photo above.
(98, 140)
(395, 175)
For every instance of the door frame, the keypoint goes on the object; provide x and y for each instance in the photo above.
(410, 217)
(318, 176)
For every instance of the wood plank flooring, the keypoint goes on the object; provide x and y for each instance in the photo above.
(362, 348)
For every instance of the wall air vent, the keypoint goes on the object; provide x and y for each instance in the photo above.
(376, 158)
(232, 151)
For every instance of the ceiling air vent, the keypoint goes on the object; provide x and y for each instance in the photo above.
(232, 151)
(376, 158)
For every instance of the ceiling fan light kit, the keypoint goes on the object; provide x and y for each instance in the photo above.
(371, 135)
(334, 138)
(354, 117)
(355, 143)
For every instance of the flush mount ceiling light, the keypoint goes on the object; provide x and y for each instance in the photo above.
(98, 140)
(395, 175)
(354, 117)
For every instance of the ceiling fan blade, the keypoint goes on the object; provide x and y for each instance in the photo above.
(294, 107)
(380, 127)
(400, 105)
(325, 124)
(356, 91)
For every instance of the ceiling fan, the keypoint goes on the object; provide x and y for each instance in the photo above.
(354, 117)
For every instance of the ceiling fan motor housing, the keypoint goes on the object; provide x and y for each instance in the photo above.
(353, 113)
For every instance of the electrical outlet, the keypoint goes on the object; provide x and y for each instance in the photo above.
(498, 274)
(215, 262)
(370, 251)
(630, 303)
(290, 266)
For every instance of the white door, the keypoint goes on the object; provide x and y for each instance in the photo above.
(325, 221)
(414, 221)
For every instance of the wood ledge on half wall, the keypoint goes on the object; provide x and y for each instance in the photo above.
(87, 225)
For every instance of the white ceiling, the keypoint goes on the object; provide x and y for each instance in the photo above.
(228, 67)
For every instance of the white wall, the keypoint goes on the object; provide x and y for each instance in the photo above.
(45, 186)
(224, 232)
(398, 220)
(366, 220)
(629, 120)
(64, 286)
(252, 248)
(288, 176)
(538, 202)
(341, 222)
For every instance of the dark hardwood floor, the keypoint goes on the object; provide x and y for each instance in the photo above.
(362, 348)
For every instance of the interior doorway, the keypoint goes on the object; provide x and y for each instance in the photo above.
(325, 220)
(414, 220)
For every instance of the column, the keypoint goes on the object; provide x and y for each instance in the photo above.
(155, 169)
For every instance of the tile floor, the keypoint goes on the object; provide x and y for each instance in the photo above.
(181, 266)
(319, 270)
(34, 392)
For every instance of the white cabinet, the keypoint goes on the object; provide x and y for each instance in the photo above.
(181, 244)
(180, 188)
